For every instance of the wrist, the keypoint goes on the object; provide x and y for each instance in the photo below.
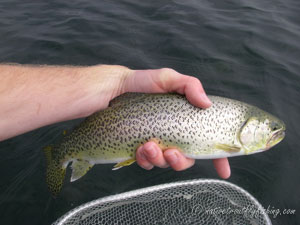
(105, 82)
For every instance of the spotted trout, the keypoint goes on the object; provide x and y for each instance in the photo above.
(228, 128)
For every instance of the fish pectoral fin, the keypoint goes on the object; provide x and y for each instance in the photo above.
(228, 148)
(127, 162)
(80, 168)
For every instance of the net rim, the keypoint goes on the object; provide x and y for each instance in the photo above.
(146, 190)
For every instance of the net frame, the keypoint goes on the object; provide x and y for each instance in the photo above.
(69, 217)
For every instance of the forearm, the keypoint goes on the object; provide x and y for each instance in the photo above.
(35, 96)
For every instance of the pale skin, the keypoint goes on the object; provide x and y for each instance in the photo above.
(36, 96)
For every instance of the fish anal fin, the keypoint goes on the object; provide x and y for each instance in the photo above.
(228, 148)
(127, 162)
(55, 177)
(80, 168)
(55, 172)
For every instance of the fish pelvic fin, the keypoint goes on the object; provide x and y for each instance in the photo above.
(80, 168)
(55, 173)
(127, 162)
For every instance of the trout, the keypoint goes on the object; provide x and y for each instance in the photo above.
(228, 128)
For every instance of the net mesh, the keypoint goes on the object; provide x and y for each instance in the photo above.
(189, 202)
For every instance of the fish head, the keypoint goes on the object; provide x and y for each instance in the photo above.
(260, 132)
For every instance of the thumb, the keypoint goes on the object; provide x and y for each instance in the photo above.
(168, 80)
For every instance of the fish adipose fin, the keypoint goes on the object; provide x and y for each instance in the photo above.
(127, 162)
(80, 168)
(228, 148)
(55, 173)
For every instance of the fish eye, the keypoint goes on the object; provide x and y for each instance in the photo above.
(274, 126)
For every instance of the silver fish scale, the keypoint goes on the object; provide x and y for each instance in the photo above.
(174, 121)
(134, 118)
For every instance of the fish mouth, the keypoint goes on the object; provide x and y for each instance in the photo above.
(277, 137)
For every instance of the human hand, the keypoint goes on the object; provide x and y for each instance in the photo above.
(162, 81)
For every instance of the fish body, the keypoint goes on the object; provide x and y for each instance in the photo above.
(228, 128)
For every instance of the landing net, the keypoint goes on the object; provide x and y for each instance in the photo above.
(201, 201)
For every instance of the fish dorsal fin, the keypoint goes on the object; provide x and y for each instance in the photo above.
(80, 168)
(121, 99)
(127, 98)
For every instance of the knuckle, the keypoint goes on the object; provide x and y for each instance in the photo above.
(148, 167)
(145, 165)
(161, 164)
(195, 80)
(183, 166)
(166, 165)
(167, 71)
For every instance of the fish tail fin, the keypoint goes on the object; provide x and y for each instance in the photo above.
(55, 172)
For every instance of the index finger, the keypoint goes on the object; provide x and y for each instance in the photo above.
(222, 167)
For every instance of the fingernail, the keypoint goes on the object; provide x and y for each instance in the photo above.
(141, 154)
(205, 99)
(150, 152)
(148, 167)
(171, 157)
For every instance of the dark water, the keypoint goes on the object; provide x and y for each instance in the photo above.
(247, 50)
